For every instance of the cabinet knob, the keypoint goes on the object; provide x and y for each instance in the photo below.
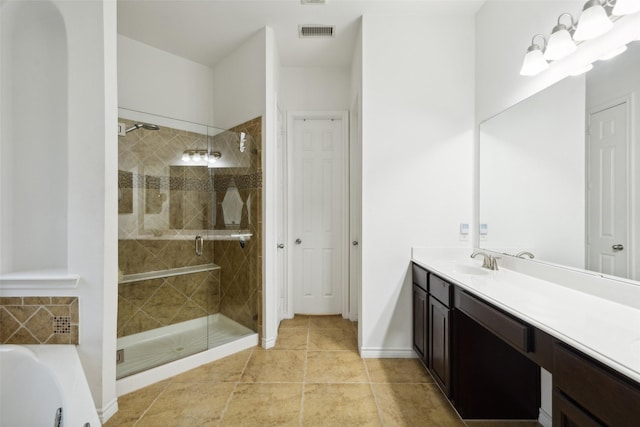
(617, 247)
(354, 243)
(280, 245)
(298, 241)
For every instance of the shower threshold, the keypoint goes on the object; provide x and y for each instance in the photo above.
(149, 349)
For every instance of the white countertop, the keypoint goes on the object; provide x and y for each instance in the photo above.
(606, 330)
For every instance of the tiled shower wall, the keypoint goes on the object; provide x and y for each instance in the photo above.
(39, 320)
(241, 268)
(159, 198)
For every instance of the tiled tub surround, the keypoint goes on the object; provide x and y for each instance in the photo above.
(605, 329)
(39, 320)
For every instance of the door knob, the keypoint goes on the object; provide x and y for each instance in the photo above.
(280, 245)
(617, 247)
(298, 241)
(354, 243)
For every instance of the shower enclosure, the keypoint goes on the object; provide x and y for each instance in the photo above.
(189, 216)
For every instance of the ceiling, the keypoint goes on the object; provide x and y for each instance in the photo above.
(205, 31)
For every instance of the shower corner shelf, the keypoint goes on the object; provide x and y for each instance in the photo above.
(138, 277)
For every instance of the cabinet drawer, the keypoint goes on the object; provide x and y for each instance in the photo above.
(419, 276)
(440, 289)
(516, 333)
(613, 400)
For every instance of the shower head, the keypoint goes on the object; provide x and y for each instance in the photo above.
(147, 126)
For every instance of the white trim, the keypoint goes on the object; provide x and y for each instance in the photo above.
(38, 280)
(387, 353)
(268, 343)
(545, 419)
(630, 249)
(318, 115)
(168, 370)
(108, 411)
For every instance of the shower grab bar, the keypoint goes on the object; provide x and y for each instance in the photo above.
(199, 244)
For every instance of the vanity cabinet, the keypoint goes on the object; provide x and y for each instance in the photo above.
(432, 325)
(439, 336)
(420, 312)
(586, 393)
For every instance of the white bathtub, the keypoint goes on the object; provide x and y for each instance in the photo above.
(36, 380)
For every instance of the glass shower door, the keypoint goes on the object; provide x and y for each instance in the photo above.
(169, 286)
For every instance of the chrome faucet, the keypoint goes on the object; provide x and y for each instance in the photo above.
(524, 254)
(488, 261)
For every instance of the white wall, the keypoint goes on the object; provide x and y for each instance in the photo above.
(308, 89)
(92, 189)
(417, 124)
(271, 289)
(240, 84)
(157, 82)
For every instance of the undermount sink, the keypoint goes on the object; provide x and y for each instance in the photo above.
(469, 269)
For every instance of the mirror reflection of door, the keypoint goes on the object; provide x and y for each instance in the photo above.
(608, 182)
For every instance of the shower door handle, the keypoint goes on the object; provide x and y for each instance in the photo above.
(199, 243)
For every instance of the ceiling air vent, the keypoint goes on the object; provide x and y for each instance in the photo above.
(316, 31)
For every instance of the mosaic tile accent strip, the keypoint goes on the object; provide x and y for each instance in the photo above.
(39, 320)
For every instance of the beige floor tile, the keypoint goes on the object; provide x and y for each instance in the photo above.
(299, 321)
(332, 339)
(188, 404)
(292, 339)
(330, 322)
(275, 366)
(415, 404)
(264, 405)
(131, 406)
(335, 367)
(397, 371)
(228, 369)
(339, 405)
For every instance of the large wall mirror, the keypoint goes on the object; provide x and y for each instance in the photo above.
(560, 172)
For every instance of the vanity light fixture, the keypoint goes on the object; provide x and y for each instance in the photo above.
(626, 7)
(582, 70)
(200, 155)
(593, 22)
(560, 42)
(534, 61)
(613, 53)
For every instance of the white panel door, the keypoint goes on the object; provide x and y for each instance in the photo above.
(318, 226)
(607, 212)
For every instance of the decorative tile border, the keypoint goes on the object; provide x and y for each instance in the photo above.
(39, 320)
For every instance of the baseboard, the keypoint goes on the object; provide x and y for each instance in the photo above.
(387, 353)
(545, 419)
(268, 343)
(108, 411)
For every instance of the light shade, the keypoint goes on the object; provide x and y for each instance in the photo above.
(534, 61)
(560, 44)
(613, 53)
(593, 21)
(582, 70)
(626, 7)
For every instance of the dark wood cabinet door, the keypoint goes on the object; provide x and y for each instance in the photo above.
(566, 414)
(420, 322)
(439, 361)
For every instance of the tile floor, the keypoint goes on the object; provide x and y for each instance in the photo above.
(314, 376)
